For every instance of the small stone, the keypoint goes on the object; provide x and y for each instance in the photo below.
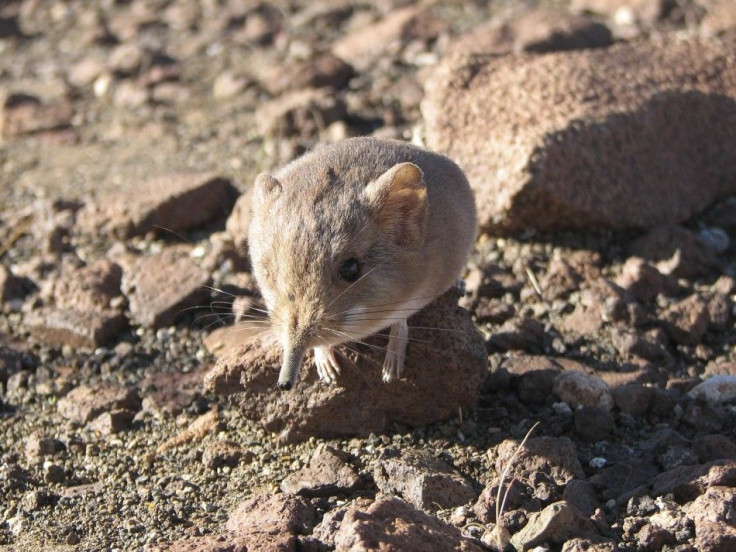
(11, 287)
(712, 514)
(36, 447)
(720, 312)
(79, 329)
(162, 286)
(204, 425)
(327, 474)
(676, 251)
(223, 453)
(557, 523)
(632, 399)
(644, 281)
(22, 114)
(282, 513)
(84, 403)
(687, 321)
(556, 457)
(652, 537)
(581, 494)
(714, 447)
(581, 389)
(323, 70)
(169, 393)
(301, 113)
(424, 480)
(228, 85)
(112, 422)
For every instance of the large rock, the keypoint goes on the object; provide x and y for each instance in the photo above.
(636, 135)
(445, 368)
(169, 203)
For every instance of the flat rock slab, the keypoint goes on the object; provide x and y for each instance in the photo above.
(635, 135)
(445, 368)
(162, 286)
(328, 473)
(86, 402)
(171, 202)
(78, 329)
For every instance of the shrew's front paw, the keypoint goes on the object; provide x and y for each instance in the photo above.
(393, 364)
(328, 367)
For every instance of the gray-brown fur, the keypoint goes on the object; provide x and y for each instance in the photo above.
(410, 231)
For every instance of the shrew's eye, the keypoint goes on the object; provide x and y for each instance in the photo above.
(350, 270)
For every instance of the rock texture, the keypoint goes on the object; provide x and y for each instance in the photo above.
(444, 372)
(169, 203)
(635, 135)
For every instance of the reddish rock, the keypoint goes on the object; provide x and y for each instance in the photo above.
(623, 476)
(560, 280)
(566, 167)
(713, 516)
(36, 447)
(688, 482)
(444, 371)
(512, 494)
(324, 70)
(226, 543)
(686, 321)
(78, 329)
(676, 251)
(327, 474)
(162, 286)
(22, 114)
(557, 523)
(167, 204)
(720, 17)
(593, 423)
(720, 312)
(717, 368)
(280, 513)
(169, 393)
(518, 334)
(392, 525)
(652, 537)
(84, 403)
(553, 456)
(644, 281)
(427, 482)
(581, 389)
(206, 424)
(581, 494)
(492, 311)
(112, 422)
(304, 113)
(535, 30)
(224, 453)
(89, 288)
(596, 544)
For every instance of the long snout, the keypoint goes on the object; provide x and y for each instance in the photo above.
(290, 367)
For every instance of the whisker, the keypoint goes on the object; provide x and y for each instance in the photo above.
(351, 286)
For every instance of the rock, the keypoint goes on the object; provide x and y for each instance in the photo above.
(302, 113)
(77, 329)
(643, 11)
(723, 214)
(633, 398)
(425, 481)
(226, 543)
(112, 422)
(720, 17)
(622, 477)
(653, 537)
(85, 72)
(167, 204)
(364, 46)
(560, 280)
(324, 70)
(206, 424)
(168, 393)
(224, 453)
(280, 513)
(537, 373)
(11, 287)
(643, 281)
(547, 30)
(525, 334)
(581, 389)
(713, 516)
(557, 523)
(84, 403)
(593, 423)
(36, 447)
(688, 482)
(222, 341)
(392, 525)
(492, 311)
(162, 286)
(553, 456)
(581, 494)
(716, 389)
(686, 321)
(598, 544)
(53, 473)
(444, 371)
(512, 496)
(22, 114)
(92, 287)
(327, 474)
(228, 85)
(714, 447)
(651, 96)
(716, 368)
(720, 312)
(676, 250)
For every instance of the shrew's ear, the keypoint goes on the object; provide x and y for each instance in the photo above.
(267, 188)
(399, 200)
